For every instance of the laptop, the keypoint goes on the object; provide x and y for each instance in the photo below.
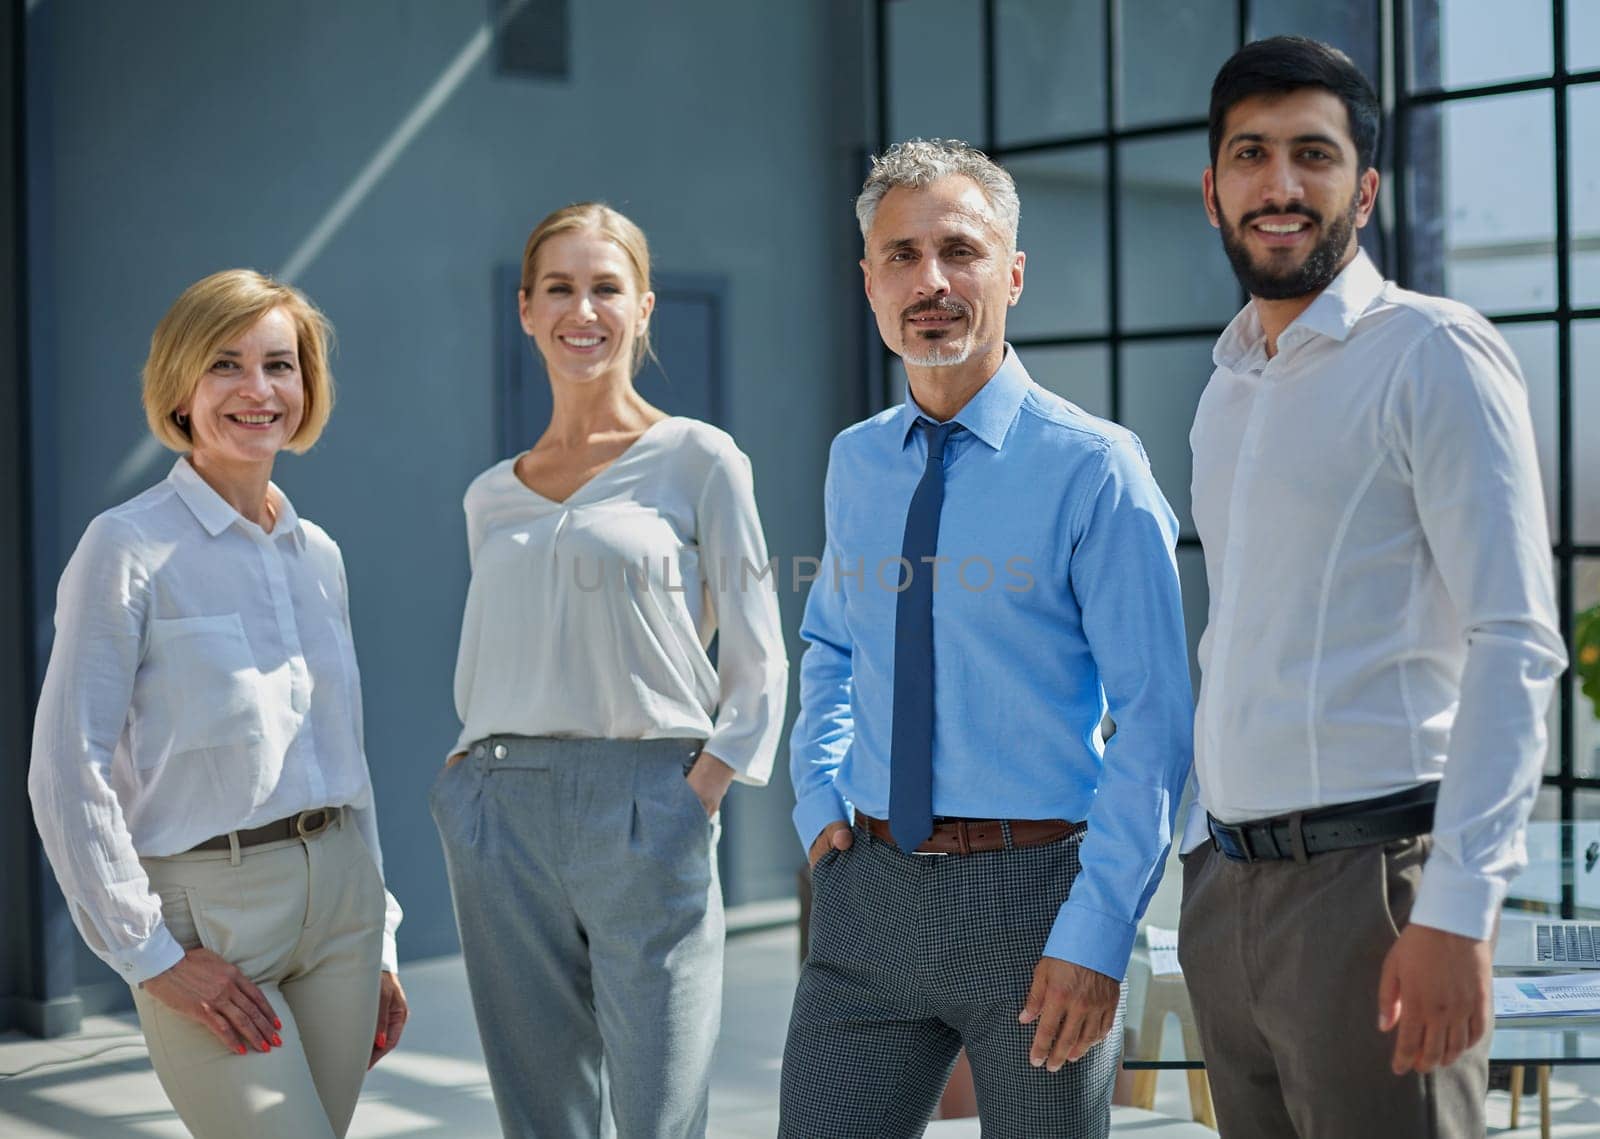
(1547, 943)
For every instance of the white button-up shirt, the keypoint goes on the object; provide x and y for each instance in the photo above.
(203, 680)
(1382, 612)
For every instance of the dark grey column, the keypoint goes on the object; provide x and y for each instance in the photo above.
(37, 951)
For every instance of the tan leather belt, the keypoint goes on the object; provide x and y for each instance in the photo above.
(306, 824)
(977, 836)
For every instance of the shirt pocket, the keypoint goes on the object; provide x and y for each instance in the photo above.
(205, 685)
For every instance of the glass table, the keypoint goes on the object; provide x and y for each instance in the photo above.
(1562, 880)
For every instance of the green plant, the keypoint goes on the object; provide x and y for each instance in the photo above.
(1586, 654)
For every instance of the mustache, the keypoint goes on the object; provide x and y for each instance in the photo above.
(1270, 210)
(948, 306)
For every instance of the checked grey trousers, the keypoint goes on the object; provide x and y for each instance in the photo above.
(913, 957)
(586, 895)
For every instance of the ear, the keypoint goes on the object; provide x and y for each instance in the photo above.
(522, 311)
(647, 305)
(1368, 200)
(866, 279)
(1208, 191)
(1019, 261)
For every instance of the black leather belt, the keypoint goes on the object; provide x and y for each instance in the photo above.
(1304, 833)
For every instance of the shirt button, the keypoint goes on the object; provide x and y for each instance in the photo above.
(499, 751)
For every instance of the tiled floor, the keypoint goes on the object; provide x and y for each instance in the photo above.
(98, 1084)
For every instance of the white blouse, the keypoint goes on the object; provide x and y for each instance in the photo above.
(592, 617)
(178, 704)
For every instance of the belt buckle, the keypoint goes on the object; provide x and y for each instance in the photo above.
(304, 831)
(1238, 839)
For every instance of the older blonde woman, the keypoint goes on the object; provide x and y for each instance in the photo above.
(598, 738)
(198, 775)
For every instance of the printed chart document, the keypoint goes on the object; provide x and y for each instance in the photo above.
(1559, 994)
(1163, 946)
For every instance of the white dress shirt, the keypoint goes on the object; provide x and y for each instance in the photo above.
(1382, 613)
(203, 680)
(591, 618)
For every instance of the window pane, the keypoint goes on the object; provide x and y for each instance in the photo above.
(1466, 43)
(1583, 123)
(1052, 76)
(1586, 733)
(1080, 373)
(1535, 348)
(1161, 384)
(936, 70)
(1586, 432)
(1583, 35)
(1483, 201)
(1063, 232)
(1192, 577)
(1174, 272)
(1349, 25)
(1170, 53)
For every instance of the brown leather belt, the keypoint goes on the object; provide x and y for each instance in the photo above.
(305, 824)
(977, 836)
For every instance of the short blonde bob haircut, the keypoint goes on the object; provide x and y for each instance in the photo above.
(209, 314)
(614, 227)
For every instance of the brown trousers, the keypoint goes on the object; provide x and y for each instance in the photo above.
(1282, 960)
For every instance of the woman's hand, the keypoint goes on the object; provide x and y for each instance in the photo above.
(212, 992)
(710, 778)
(392, 1014)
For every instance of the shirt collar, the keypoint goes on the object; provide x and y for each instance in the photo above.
(1242, 345)
(212, 510)
(990, 413)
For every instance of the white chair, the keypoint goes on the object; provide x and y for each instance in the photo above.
(1126, 1123)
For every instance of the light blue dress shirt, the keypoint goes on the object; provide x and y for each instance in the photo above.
(1056, 600)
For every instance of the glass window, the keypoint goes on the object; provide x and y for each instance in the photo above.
(1535, 348)
(935, 70)
(1483, 201)
(1586, 731)
(1063, 232)
(1192, 577)
(1170, 54)
(1468, 43)
(1583, 156)
(1080, 373)
(1586, 432)
(1174, 272)
(1051, 76)
(1583, 35)
(1161, 385)
(1349, 25)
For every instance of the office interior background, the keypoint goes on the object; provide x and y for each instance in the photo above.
(390, 156)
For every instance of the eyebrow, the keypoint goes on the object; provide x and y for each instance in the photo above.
(558, 275)
(895, 244)
(235, 353)
(1253, 136)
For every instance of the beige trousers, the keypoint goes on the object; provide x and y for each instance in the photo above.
(303, 918)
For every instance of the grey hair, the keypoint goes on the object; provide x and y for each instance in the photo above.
(921, 161)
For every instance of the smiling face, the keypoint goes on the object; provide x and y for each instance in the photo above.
(584, 308)
(1286, 192)
(248, 404)
(940, 275)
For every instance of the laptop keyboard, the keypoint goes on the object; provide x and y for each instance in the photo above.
(1567, 943)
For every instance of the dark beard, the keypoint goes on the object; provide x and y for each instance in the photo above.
(1312, 275)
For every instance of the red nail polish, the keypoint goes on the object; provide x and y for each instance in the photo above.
(277, 1041)
(265, 1047)
(276, 1023)
(241, 1049)
(383, 1040)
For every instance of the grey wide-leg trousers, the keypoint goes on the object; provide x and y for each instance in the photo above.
(586, 895)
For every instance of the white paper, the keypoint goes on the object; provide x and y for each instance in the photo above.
(1163, 946)
(1558, 994)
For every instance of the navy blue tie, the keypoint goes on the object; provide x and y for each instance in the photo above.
(911, 742)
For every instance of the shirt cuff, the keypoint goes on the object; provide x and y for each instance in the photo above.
(391, 954)
(815, 811)
(1456, 900)
(159, 953)
(1094, 940)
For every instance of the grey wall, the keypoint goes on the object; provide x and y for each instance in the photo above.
(194, 135)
